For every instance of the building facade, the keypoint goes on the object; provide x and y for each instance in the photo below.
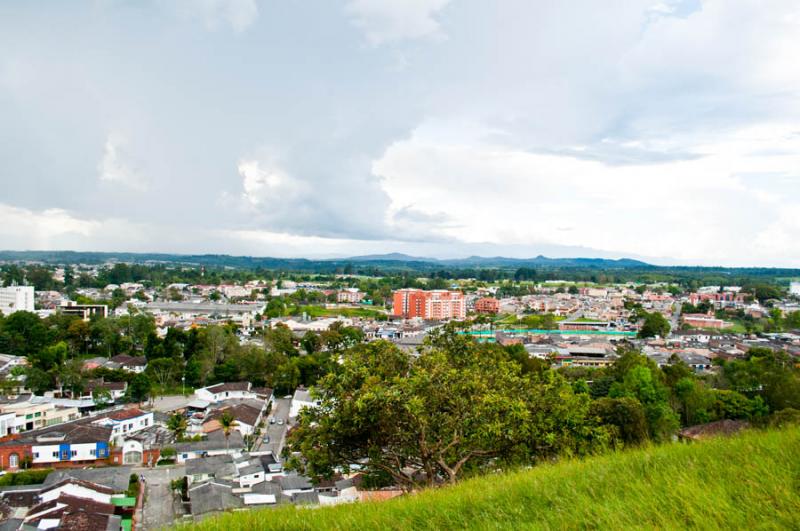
(16, 299)
(487, 305)
(433, 305)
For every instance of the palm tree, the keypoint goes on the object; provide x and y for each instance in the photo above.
(177, 424)
(228, 423)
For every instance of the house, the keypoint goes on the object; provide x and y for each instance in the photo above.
(125, 421)
(301, 399)
(135, 364)
(115, 389)
(219, 467)
(350, 295)
(225, 391)
(70, 444)
(295, 484)
(212, 497)
(247, 415)
(34, 412)
(74, 504)
(214, 444)
(251, 471)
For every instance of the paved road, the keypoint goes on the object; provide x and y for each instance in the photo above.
(171, 402)
(276, 433)
(161, 508)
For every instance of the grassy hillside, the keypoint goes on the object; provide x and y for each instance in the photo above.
(750, 481)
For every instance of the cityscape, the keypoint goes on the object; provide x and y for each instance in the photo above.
(399, 265)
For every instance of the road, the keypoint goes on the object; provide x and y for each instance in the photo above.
(675, 321)
(161, 507)
(276, 433)
(169, 403)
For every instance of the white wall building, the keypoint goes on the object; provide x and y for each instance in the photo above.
(16, 298)
(794, 288)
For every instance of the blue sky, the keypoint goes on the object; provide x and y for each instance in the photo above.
(668, 130)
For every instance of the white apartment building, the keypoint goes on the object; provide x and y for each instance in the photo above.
(15, 299)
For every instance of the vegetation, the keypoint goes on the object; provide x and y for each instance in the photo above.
(744, 482)
(461, 408)
(25, 477)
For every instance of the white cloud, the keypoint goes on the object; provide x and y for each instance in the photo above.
(698, 210)
(22, 228)
(115, 166)
(384, 21)
(238, 14)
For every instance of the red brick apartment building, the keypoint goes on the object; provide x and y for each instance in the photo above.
(487, 305)
(434, 304)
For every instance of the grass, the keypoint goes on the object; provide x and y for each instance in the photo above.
(321, 311)
(745, 482)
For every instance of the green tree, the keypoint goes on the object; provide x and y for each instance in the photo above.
(654, 325)
(228, 423)
(177, 425)
(626, 415)
(139, 388)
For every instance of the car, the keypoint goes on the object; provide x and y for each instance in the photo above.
(266, 439)
(287, 397)
(272, 420)
(280, 422)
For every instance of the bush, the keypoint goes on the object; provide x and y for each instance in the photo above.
(133, 486)
(168, 453)
(26, 477)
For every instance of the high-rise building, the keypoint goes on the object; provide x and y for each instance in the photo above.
(16, 298)
(434, 305)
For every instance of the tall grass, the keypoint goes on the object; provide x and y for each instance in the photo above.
(745, 482)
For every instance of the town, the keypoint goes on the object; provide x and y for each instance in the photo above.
(136, 396)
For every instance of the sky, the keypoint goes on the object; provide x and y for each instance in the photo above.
(665, 130)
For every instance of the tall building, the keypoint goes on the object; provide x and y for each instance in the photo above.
(15, 299)
(794, 288)
(434, 305)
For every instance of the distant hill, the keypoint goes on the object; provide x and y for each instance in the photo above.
(396, 260)
(745, 482)
(576, 268)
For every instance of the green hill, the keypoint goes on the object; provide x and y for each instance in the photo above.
(745, 482)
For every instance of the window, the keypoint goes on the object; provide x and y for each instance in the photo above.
(93, 452)
(55, 454)
(36, 455)
(65, 455)
(38, 414)
(74, 453)
(13, 461)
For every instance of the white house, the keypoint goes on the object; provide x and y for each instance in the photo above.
(301, 399)
(225, 391)
(125, 421)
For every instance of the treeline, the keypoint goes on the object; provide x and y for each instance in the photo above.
(462, 408)
(208, 270)
(57, 347)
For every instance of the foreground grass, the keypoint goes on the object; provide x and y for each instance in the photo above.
(745, 482)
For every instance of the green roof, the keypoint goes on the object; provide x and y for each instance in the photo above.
(124, 501)
(126, 524)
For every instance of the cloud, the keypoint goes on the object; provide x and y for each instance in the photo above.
(385, 21)
(238, 14)
(115, 168)
(697, 210)
(21, 228)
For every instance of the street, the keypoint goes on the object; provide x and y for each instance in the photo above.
(161, 506)
(275, 432)
(165, 404)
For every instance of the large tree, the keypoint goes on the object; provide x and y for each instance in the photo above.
(425, 420)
